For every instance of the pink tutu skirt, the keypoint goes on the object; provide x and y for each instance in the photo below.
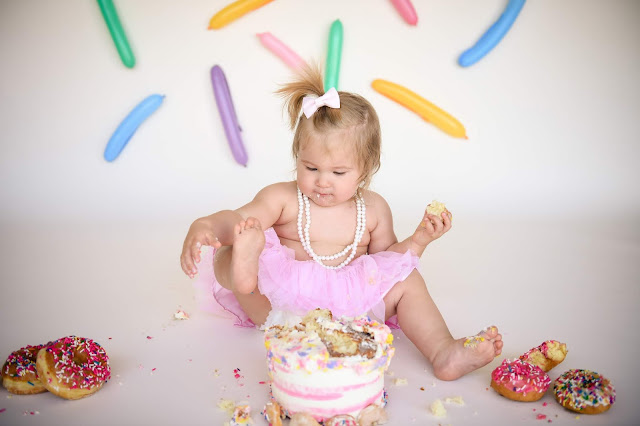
(297, 287)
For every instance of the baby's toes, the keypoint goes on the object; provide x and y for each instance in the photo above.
(252, 222)
(491, 333)
(238, 227)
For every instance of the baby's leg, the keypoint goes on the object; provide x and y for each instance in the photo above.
(423, 324)
(236, 269)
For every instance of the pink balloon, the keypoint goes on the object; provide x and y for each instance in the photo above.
(278, 48)
(406, 10)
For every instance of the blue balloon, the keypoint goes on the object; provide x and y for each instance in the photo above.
(493, 35)
(130, 124)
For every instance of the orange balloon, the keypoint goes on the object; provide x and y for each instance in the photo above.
(425, 109)
(233, 11)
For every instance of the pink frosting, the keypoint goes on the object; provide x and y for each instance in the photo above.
(543, 348)
(521, 377)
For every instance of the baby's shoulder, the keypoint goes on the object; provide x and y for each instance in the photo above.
(374, 200)
(378, 209)
(282, 191)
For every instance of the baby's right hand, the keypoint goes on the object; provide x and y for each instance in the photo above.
(200, 234)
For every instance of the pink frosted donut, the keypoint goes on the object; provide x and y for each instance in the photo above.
(519, 380)
(73, 367)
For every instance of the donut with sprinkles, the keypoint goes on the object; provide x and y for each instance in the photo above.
(19, 373)
(584, 391)
(73, 367)
(546, 356)
(520, 381)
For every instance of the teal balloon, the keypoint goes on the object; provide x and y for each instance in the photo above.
(117, 32)
(334, 54)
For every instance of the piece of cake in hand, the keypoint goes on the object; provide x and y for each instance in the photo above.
(325, 367)
(436, 208)
(519, 380)
(546, 356)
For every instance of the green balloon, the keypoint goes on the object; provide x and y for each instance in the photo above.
(117, 33)
(334, 55)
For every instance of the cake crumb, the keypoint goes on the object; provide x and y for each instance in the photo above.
(437, 408)
(227, 405)
(473, 341)
(400, 382)
(180, 315)
(454, 400)
(241, 416)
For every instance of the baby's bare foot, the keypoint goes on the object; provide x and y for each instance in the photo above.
(248, 242)
(463, 356)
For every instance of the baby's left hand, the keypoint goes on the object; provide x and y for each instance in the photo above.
(431, 228)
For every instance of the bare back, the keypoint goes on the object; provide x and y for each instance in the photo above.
(332, 228)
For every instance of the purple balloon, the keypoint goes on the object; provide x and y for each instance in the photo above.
(228, 115)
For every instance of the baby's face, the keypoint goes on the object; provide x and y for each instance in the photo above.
(327, 170)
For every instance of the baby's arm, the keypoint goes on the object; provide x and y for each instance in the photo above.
(216, 230)
(382, 236)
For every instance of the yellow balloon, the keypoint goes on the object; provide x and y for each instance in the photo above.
(425, 109)
(233, 11)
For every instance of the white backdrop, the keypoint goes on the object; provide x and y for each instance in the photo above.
(544, 193)
(549, 113)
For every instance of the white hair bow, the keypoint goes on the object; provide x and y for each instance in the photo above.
(310, 104)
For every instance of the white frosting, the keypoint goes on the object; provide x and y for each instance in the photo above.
(306, 378)
(327, 393)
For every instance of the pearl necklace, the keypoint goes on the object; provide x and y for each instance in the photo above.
(361, 222)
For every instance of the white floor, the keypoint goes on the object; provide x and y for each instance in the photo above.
(121, 286)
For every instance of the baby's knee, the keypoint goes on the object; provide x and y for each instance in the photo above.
(415, 279)
(392, 298)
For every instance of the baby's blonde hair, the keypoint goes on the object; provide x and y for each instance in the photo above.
(355, 115)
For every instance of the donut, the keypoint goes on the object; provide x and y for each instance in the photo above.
(546, 356)
(73, 367)
(19, 373)
(584, 391)
(519, 380)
